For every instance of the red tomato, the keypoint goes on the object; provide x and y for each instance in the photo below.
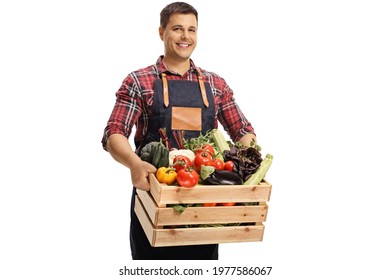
(218, 164)
(187, 178)
(229, 165)
(227, 203)
(209, 148)
(211, 204)
(203, 158)
(181, 162)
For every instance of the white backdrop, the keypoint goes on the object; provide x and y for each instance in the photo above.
(312, 76)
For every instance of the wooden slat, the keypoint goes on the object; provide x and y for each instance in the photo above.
(155, 188)
(149, 205)
(265, 205)
(208, 235)
(212, 215)
(164, 194)
(144, 220)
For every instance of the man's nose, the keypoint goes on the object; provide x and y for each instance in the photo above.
(184, 34)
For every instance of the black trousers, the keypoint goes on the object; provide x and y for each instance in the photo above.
(142, 250)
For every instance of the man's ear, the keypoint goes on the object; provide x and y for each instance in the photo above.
(161, 32)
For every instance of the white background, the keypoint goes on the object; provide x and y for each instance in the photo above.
(312, 76)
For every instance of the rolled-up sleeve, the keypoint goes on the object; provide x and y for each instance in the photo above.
(126, 110)
(231, 117)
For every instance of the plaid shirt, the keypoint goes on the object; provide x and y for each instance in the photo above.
(134, 100)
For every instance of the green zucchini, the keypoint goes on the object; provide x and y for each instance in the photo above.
(219, 140)
(259, 175)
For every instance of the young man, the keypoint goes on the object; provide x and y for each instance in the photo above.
(161, 96)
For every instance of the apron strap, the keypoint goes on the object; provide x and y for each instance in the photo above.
(165, 89)
(201, 85)
(203, 90)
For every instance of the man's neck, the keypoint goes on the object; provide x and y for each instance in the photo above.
(177, 66)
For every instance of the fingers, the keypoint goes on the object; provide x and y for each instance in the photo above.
(141, 182)
(144, 184)
(140, 176)
(151, 168)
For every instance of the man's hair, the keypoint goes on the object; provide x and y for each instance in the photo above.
(176, 8)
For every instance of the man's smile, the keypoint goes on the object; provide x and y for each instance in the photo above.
(184, 45)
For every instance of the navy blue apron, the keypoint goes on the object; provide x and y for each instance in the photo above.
(172, 99)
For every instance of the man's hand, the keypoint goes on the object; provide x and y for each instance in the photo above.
(247, 139)
(140, 175)
(119, 148)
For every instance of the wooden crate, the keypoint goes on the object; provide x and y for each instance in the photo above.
(164, 226)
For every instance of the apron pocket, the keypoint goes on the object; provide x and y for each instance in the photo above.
(186, 118)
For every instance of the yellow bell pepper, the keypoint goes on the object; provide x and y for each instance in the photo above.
(166, 175)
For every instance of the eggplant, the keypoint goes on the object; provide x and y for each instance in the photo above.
(212, 176)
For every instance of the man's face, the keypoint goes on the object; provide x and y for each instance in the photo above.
(179, 36)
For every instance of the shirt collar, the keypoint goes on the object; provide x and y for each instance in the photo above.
(162, 68)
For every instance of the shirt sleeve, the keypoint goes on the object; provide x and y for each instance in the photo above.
(126, 110)
(231, 117)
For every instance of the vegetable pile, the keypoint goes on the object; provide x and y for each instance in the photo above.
(206, 160)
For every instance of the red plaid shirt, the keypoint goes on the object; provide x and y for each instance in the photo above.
(134, 100)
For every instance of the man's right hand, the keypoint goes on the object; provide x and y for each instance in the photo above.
(140, 175)
(119, 148)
